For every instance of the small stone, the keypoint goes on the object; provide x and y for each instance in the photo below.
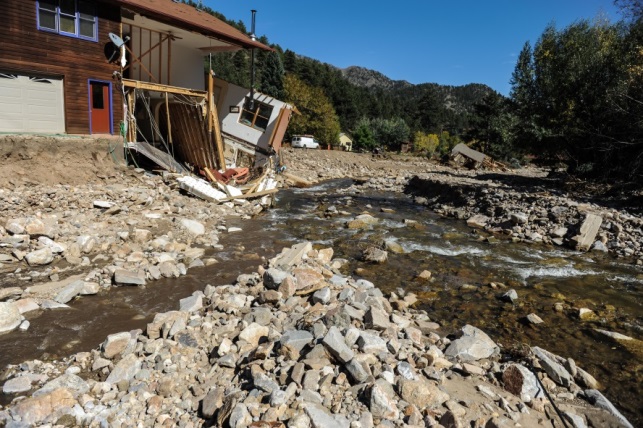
(336, 345)
(371, 343)
(377, 319)
(298, 339)
(534, 319)
(272, 278)
(425, 275)
(320, 417)
(422, 394)
(510, 296)
(253, 333)
(585, 314)
(322, 296)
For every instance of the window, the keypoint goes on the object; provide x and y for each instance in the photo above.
(257, 117)
(75, 18)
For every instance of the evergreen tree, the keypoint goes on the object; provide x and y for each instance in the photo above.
(290, 62)
(272, 76)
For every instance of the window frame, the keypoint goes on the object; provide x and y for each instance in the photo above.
(255, 115)
(77, 16)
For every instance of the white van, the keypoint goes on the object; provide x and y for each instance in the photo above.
(305, 142)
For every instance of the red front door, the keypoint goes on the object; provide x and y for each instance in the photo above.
(99, 108)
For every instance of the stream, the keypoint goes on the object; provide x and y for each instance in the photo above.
(468, 276)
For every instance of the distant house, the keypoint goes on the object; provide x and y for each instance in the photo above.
(345, 142)
(55, 76)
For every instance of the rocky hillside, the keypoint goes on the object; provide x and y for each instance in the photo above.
(457, 98)
(360, 76)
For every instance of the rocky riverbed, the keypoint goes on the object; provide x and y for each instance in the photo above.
(297, 342)
(524, 205)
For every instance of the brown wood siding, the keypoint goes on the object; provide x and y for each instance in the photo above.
(24, 48)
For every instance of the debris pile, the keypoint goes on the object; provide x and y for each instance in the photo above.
(473, 159)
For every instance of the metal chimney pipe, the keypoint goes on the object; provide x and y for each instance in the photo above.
(252, 62)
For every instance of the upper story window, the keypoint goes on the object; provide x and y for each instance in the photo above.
(75, 18)
(258, 117)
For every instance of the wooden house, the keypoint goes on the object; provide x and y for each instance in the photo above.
(55, 70)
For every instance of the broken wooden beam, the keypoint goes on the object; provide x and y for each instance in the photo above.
(297, 181)
(158, 87)
(252, 195)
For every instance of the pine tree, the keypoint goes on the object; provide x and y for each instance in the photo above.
(272, 76)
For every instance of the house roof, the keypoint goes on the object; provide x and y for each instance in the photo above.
(188, 17)
(468, 152)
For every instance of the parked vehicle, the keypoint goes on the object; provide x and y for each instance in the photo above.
(305, 142)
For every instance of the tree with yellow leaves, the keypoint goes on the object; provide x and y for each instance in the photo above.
(317, 116)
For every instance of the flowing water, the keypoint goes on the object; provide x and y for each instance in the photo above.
(462, 263)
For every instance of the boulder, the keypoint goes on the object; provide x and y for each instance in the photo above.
(115, 344)
(192, 226)
(40, 257)
(253, 333)
(192, 303)
(10, 317)
(478, 221)
(126, 369)
(474, 344)
(128, 277)
(521, 382)
(422, 394)
(46, 407)
(554, 370)
(374, 255)
(70, 291)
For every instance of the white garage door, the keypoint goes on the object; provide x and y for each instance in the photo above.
(31, 104)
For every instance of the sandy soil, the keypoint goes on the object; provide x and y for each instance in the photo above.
(58, 160)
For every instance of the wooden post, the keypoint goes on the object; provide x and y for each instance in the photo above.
(210, 100)
(213, 120)
(131, 121)
(169, 124)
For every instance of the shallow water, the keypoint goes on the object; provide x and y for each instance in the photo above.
(462, 266)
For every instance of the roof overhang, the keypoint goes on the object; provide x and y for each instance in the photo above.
(186, 17)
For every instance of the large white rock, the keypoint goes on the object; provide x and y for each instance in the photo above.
(115, 344)
(192, 226)
(474, 344)
(10, 317)
(44, 256)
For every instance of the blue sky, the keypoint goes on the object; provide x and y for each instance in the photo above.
(448, 42)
